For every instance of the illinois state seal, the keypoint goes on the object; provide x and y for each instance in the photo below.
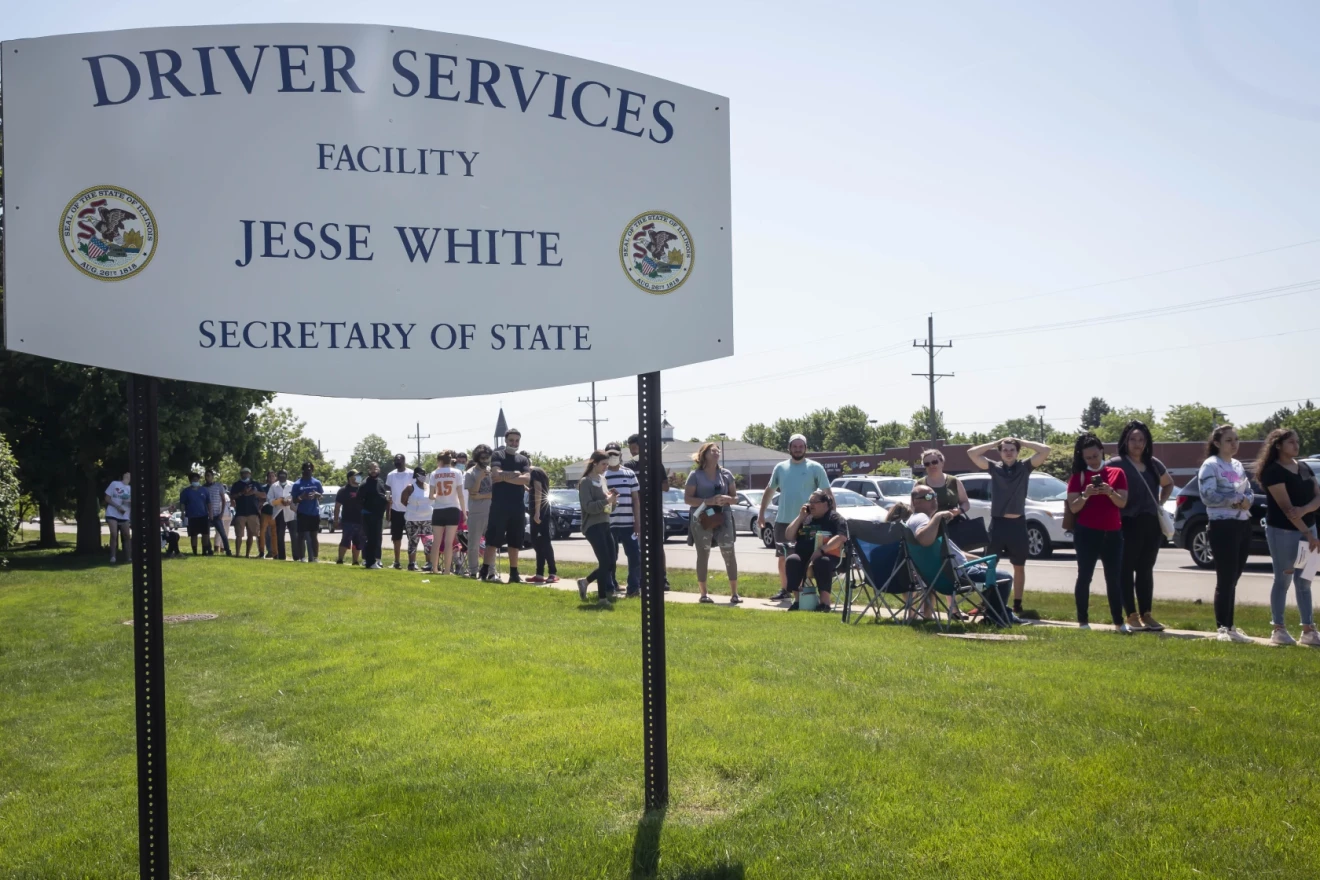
(656, 252)
(108, 233)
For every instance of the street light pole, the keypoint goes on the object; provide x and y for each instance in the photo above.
(1040, 409)
(873, 423)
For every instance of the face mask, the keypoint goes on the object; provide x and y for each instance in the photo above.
(352, 481)
(284, 481)
(614, 460)
(195, 484)
(513, 444)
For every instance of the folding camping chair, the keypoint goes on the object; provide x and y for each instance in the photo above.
(938, 579)
(878, 571)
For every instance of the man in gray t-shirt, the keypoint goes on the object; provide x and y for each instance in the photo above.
(1009, 478)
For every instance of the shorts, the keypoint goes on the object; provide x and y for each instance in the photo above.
(398, 525)
(308, 522)
(446, 516)
(781, 533)
(352, 535)
(199, 525)
(415, 531)
(249, 524)
(506, 528)
(1008, 537)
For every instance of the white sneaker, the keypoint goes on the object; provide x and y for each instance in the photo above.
(1085, 626)
(1310, 638)
(1232, 635)
(1124, 630)
(1282, 638)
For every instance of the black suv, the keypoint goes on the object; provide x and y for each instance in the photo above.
(1190, 520)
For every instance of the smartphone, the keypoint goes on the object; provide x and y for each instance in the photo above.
(1095, 480)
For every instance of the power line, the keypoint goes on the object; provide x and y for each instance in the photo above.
(1143, 275)
(931, 376)
(593, 400)
(419, 437)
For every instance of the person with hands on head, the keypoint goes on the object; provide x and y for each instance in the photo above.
(1008, 502)
(306, 494)
(709, 492)
(818, 534)
(510, 475)
(1228, 496)
(1291, 500)
(794, 479)
(118, 499)
(1097, 494)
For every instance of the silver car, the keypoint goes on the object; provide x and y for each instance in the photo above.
(746, 510)
(849, 505)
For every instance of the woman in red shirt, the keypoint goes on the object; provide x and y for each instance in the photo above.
(1096, 495)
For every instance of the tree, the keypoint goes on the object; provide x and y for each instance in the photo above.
(370, 448)
(849, 430)
(1113, 422)
(920, 424)
(759, 435)
(9, 495)
(1025, 428)
(1094, 412)
(553, 467)
(1306, 422)
(1059, 462)
(1191, 421)
(717, 438)
(68, 427)
(888, 435)
(890, 468)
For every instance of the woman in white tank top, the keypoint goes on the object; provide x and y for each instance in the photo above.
(448, 508)
(416, 514)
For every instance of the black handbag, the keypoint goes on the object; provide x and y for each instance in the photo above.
(968, 532)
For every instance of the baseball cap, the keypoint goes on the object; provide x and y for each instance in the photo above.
(797, 437)
(351, 473)
(614, 445)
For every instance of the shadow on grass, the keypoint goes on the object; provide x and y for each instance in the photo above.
(590, 605)
(646, 854)
(30, 556)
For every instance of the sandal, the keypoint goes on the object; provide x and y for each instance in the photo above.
(706, 600)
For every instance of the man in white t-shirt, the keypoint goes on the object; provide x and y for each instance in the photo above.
(118, 497)
(395, 482)
(280, 496)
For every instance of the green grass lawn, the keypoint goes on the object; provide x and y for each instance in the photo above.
(339, 723)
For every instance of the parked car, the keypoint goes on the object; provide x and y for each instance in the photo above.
(565, 513)
(1044, 510)
(677, 513)
(885, 491)
(850, 505)
(747, 510)
(327, 517)
(1190, 521)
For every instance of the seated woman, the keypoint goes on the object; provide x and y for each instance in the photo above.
(818, 534)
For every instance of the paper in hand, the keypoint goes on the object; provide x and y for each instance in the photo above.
(1307, 562)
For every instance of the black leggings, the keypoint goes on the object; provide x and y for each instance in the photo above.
(1141, 545)
(602, 542)
(1230, 539)
(1106, 547)
(545, 551)
(822, 571)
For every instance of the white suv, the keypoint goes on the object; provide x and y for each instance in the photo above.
(1044, 509)
(882, 490)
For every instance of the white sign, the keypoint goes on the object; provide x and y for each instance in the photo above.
(359, 211)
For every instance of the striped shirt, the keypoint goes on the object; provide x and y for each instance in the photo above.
(625, 483)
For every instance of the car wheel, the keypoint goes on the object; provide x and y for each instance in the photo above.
(1198, 544)
(552, 528)
(768, 537)
(753, 527)
(1038, 542)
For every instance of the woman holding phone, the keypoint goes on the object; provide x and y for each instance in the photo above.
(709, 493)
(1097, 494)
(1228, 496)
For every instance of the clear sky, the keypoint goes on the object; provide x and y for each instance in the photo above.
(991, 163)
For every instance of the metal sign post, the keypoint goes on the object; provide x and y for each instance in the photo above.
(148, 643)
(655, 719)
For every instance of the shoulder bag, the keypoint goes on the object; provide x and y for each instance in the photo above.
(711, 518)
(1165, 518)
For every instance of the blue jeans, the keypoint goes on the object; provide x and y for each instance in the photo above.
(218, 523)
(1107, 547)
(632, 549)
(1283, 551)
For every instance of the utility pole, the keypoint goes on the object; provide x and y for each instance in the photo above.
(930, 374)
(593, 400)
(1040, 408)
(419, 437)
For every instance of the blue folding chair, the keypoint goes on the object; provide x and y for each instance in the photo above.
(878, 571)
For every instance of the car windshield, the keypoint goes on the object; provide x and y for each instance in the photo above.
(896, 488)
(563, 496)
(754, 495)
(1046, 488)
(673, 496)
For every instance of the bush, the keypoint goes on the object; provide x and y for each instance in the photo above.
(9, 495)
